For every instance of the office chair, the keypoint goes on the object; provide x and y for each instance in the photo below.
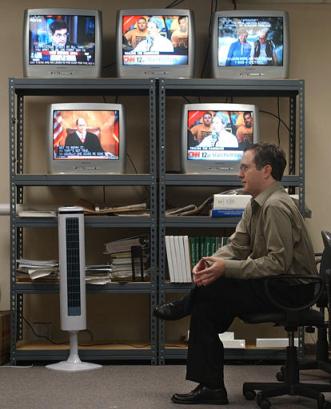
(291, 318)
(321, 360)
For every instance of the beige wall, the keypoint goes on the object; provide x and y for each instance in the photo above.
(310, 59)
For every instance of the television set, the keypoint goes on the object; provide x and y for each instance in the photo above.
(214, 136)
(155, 43)
(250, 44)
(62, 42)
(86, 138)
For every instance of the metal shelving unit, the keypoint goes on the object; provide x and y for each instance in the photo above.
(157, 180)
(18, 90)
(293, 91)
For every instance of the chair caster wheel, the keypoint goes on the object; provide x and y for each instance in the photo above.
(321, 403)
(249, 395)
(262, 402)
(280, 376)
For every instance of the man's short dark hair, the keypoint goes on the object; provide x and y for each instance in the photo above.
(57, 25)
(247, 113)
(269, 154)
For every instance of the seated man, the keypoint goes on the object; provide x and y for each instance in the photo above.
(270, 239)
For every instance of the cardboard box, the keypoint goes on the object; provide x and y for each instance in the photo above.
(230, 201)
(4, 336)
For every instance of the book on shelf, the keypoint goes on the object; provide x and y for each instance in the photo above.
(226, 212)
(201, 246)
(171, 267)
(187, 259)
(124, 245)
(129, 258)
(179, 261)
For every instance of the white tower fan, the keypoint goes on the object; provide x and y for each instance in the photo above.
(71, 237)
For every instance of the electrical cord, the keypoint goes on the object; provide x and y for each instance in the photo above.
(174, 4)
(35, 333)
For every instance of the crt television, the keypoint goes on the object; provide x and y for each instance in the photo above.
(214, 136)
(62, 43)
(86, 138)
(153, 43)
(250, 44)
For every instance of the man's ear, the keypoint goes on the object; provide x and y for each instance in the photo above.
(267, 171)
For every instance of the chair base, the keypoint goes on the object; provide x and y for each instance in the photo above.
(322, 365)
(268, 390)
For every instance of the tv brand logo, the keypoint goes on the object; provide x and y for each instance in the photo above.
(129, 59)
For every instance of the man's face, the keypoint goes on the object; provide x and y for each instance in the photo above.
(262, 38)
(59, 38)
(81, 125)
(142, 25)
(207, 118)
(218, 125)
(251, 178)
(152, 29)
(183, 25)
(243, 36)
(248, 120)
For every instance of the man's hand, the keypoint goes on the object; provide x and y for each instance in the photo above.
(208, 270)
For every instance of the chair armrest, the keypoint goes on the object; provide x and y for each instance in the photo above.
(309, 279)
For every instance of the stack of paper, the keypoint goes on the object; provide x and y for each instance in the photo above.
(98, 274)
(38, 268)
(129, 260)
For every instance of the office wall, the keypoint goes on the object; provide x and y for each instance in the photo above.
(310, 60)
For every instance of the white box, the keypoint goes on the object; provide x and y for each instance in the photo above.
(226, 336)
(274, 342)
(230, 201)
(228, 340)
(234, 343)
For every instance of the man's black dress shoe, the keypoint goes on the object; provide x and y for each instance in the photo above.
(173, 310)
(202, 395)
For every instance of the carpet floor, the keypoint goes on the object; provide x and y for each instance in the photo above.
(131, 387)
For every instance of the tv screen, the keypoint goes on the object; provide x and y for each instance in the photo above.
(86, 138)
(214, 136)
(62, 42)
(155, 43)
(250, 44)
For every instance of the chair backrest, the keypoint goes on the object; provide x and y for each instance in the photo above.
(326, 255)
(325, 272)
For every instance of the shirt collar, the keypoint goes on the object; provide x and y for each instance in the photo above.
(263, 196)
